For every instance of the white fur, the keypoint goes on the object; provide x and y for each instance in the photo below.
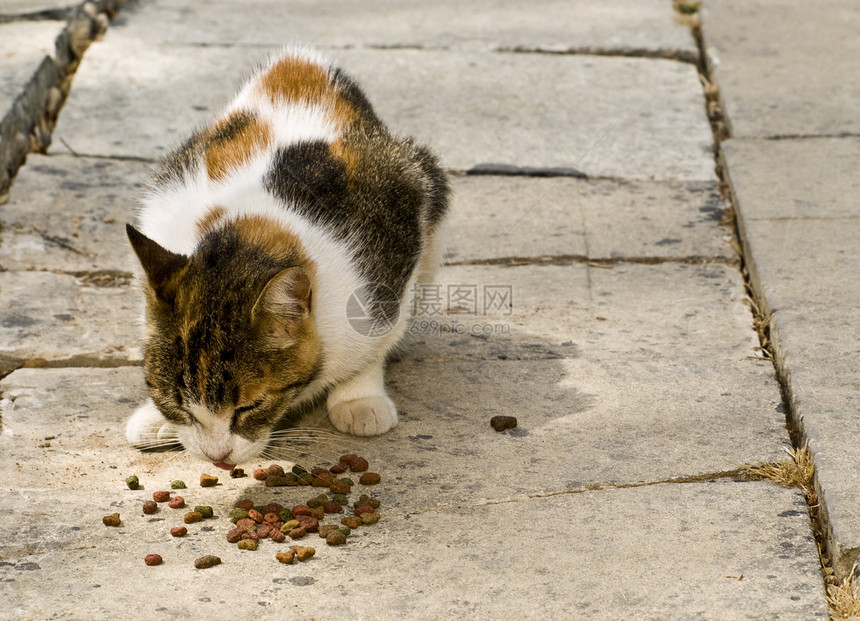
(353, 363)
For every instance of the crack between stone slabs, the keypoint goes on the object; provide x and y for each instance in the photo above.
(598, 262)
(777, 137)
(38, 16)
(735, 474)
(623, 52)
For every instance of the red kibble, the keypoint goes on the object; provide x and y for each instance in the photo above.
(153, 559)
(177, 502)
(272, 507)
(337, 469)
(298, 533)
(250, 535)
(347, 459)
(161, 496)
(245, 523)
(255, 515)
(363, 509)
(150, 506)
(359, 464)
(277, 536)
(178, 531)
(271, 518)
(245, 504)
(263, 530)
(332, 507)
(260, 474)
(310, 524)
(235, 535)
(300, 510)
(275, 469)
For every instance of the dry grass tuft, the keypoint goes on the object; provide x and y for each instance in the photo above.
(796, 470)
(687, 12)
(844, 598)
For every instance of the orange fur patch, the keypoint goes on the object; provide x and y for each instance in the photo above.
(300, 80)
(275, 241)
(249, 137)
(209, 220)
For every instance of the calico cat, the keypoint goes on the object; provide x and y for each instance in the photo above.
(279, 247)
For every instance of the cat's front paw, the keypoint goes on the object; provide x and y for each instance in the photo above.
(147, 428)
(367, 416)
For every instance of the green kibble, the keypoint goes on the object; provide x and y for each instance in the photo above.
(238, 514)
(133, 482)
(347, 481)
(307, 476)
(341, 499)
(285, 515)
(177, 484)
(345, 530)
(297, 469)
(204, 510)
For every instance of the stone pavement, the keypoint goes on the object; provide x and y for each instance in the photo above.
(591, 289)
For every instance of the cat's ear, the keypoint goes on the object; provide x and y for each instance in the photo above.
(161, 265)
(283, 305)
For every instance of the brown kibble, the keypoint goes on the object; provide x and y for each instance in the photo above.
(270, 518)
(277, 536)
(193, 516)
(363, 509)
(352, 522)
(245, 504)
(370, 518)
(204, 562)
(256, 516)
(178, 531)
(500, 423)
(339, 488)
(332, 507)
(275, 469)
(286, 557)
(300, 510)
(304, 554)
(177, 502)
(298, 533)
(272, 507)
(112, 520)
(247, 544)
(235, 535)
(207, 480)
(310, 524)
(369, 478)
(346, 459)
(335, 538)
(318, 512)
(359, 464)
(153, 559)
(337, 469)
(150, 507)
(161, 496)
(325, 529)
(260, 474)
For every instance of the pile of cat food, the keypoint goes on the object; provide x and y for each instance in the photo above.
(252, 523)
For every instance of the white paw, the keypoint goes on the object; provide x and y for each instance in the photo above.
(367, 416)
(148, 428)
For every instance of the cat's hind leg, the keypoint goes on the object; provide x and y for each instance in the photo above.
(147, 428)
(360, 406)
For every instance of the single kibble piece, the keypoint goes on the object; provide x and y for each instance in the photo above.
(161, 496)
(500, 423)
(177, 502)
(370, 478)
(277, 536)
(250, 535)
(193, 516)
(204, 510)
(204, 562)
(256, 516)
(277, 480)
(263, 530)
(238, 514)
(304, 554)
(246, 503)
(286, 557)
(207, 480)
(347, 459)
(290, 525)
(299, 470)
(363, 509)
(297, 533)
(237, 473)
(133, 482)
(310, 524)
(300, 510)
(338, 469)
(347, 481)
(150, 506)
(335, 538)
(178, 531)
(285, 515)
(247, 524)
(260, 474)
(352, 522)
(325, 529)
(370, 518)
(177, 484)
(364, 499)
(247, 544)
(235, 535)
(341, 499)
(112, 520)
(345, 530)
(359, 464)
(337, 488)
(275, 469)
(272, 507)
(153, 559)
(332, 507)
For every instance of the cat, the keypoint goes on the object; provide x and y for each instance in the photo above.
(279, 247)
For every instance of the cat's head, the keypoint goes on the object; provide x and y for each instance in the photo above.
(230, 340)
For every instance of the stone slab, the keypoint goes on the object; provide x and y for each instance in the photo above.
(69, 214)
(778, 70)
(629, 26)
(60, 318)
(23, 47)
(14, 8)
(704, 550)
(561, 113)
(520, 217)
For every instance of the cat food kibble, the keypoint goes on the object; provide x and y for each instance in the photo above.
(297, 533)
(161, 496)
(351, 522)
(177, 502)
(260, 474)
(237, 473)
(290, 525)
(246, 504)
(247, 544)
(193, 516)
(359, 464)
(204, 510)
(500, 423)
(133, 482)
(112, 520)
(153, 559)
(207, 480)
(370, 518)
(303, 554)
(150, 506)
(177, 484)
(277, 536)
(204, 562)
(178, 531)
(335, 538)
(369, 478)
(286, 557)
